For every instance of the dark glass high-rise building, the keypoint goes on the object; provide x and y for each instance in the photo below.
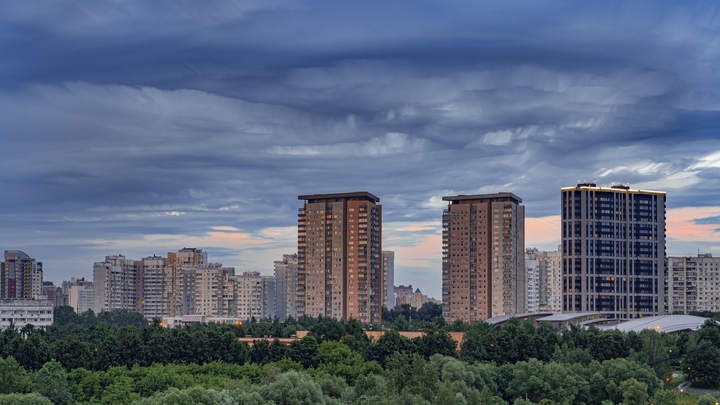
(613, 250)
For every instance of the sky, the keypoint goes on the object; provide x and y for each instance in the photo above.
(140, 128)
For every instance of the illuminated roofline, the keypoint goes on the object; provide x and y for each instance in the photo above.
(617, 190)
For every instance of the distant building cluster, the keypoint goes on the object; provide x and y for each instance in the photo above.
(611, 261)
(183, 283)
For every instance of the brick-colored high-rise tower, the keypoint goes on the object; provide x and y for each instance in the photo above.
(339, 248)
(483, 256)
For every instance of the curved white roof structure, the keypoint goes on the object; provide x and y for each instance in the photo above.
(663, 323)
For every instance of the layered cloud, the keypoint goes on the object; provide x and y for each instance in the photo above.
(144, 128)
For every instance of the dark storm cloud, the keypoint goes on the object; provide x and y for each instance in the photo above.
(150, 126)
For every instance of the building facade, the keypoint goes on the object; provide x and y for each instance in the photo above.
(613, 245)
(388, 274)
(115, 285)
(403, 294)
(21, 312)
(339, 247)
(174, 280)
(532, 284)
(249, 291)
(544, 269)
(268, 301)
(214, 291)
(693, 284)
(286, 287)
(22, 276)
(483, 256)
(81, 297)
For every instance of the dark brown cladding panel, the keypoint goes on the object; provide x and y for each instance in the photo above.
(499, 197)
(355, 196)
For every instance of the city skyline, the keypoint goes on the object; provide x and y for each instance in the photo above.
(140, 129)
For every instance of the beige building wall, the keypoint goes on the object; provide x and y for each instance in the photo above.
(115, 285)
(214, 290)
(693, 284)
(249, 295)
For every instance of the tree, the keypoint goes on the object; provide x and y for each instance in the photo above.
(72, 353)
(13, 378)
(303, 351)
(401, 324)
(473, 346)
(389, 343)
(24, 399)
(129, 346)
(706, 400)
(634, 392)
(703, 363)
(437, 343)
(293, 388)
(665, 397)
(65, 315)
(51, 382)
(411, 373)
(429, 311)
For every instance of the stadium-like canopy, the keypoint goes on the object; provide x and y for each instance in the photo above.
(663, 323)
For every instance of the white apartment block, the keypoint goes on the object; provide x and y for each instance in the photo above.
(388, 274)
(81, 297)
(115, 285)
(21, 312)
(214, 290)
(286, 279)
(693, 284)
(155, 287)
(545, 269)
(532, 282)
(269, 291)
(249, 295)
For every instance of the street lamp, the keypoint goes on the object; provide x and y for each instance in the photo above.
(681, 395)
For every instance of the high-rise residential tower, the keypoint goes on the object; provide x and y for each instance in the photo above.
(483, 256)
(388, 274)
(21, 276)
(613, 245)
(545, 268)
(339, 247)
(286, 287)
(174, 278)
(693, 284)
(116, 283)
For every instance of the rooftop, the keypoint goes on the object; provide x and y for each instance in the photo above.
(497, 196)
(571, 316)
(504, 318)
(662, 323)
(614, 189)
(356, 195)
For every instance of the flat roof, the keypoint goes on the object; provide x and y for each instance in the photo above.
(661, 323)
(482, 197)
(616, 190)
(571, 316)
(503, 318)
(355, 194)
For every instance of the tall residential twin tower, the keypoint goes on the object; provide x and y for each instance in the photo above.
(339, 265)
(483, 267)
